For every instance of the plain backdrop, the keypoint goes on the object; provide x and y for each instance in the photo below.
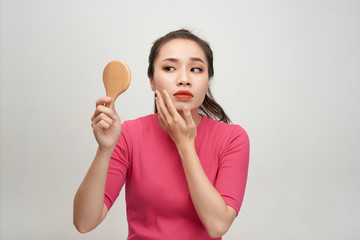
(287, 71)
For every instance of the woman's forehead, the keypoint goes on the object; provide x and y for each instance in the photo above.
(182, 49)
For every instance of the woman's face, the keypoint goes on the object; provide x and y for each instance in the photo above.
(181, 69)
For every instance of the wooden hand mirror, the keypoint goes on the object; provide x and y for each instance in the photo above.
(116, 77)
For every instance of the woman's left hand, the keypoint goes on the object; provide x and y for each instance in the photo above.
(182, 130)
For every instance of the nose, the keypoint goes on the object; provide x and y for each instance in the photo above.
(184, 78)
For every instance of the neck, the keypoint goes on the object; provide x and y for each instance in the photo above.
(195, 115)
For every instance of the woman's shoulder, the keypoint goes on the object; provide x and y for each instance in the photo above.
(225, 134)
(139, 124)
(218, 126)
(141, 120)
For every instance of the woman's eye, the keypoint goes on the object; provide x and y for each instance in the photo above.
(196, 70)
(169, 69)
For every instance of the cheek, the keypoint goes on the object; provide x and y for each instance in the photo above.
(205, 86)
(161, 82)
(203, 89)
(157, 83)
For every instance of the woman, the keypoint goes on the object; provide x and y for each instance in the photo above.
(185, 172)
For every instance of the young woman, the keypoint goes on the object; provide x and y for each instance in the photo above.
(184, 167)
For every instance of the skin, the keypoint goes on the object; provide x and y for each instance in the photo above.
(181, 65)
(89, 207)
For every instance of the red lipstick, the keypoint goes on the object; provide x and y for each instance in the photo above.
(183, 95)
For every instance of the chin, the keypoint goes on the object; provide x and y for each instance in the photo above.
(180, 106)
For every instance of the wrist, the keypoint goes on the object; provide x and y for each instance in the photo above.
(186, 148)
(105, 150)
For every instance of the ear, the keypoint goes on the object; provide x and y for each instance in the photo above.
(152, 84)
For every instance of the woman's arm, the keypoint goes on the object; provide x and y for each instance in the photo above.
(89, 207)
(215, 215)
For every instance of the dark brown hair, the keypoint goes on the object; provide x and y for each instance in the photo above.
(209, 106)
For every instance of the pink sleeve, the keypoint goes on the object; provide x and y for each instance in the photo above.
(118, 167)
(233, 169)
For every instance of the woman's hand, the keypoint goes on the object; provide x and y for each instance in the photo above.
(182, 129)
(106, 125)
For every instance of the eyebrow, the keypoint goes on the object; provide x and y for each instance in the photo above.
(195, 59)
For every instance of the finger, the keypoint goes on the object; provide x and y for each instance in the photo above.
(101, 125)
(100, 102)
(103, 101)
(103, 117)
(162, 107)
(170, 104)
(188, 116)
(160, 114)
(102, 109)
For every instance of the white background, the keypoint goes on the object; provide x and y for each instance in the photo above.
(287, 71)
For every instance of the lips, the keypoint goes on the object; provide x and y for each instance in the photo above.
(183, 95)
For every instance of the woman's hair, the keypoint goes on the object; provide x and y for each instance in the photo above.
(209, 106)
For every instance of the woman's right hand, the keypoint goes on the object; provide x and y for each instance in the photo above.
(106, 125)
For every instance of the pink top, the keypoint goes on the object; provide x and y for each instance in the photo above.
(158, 201)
